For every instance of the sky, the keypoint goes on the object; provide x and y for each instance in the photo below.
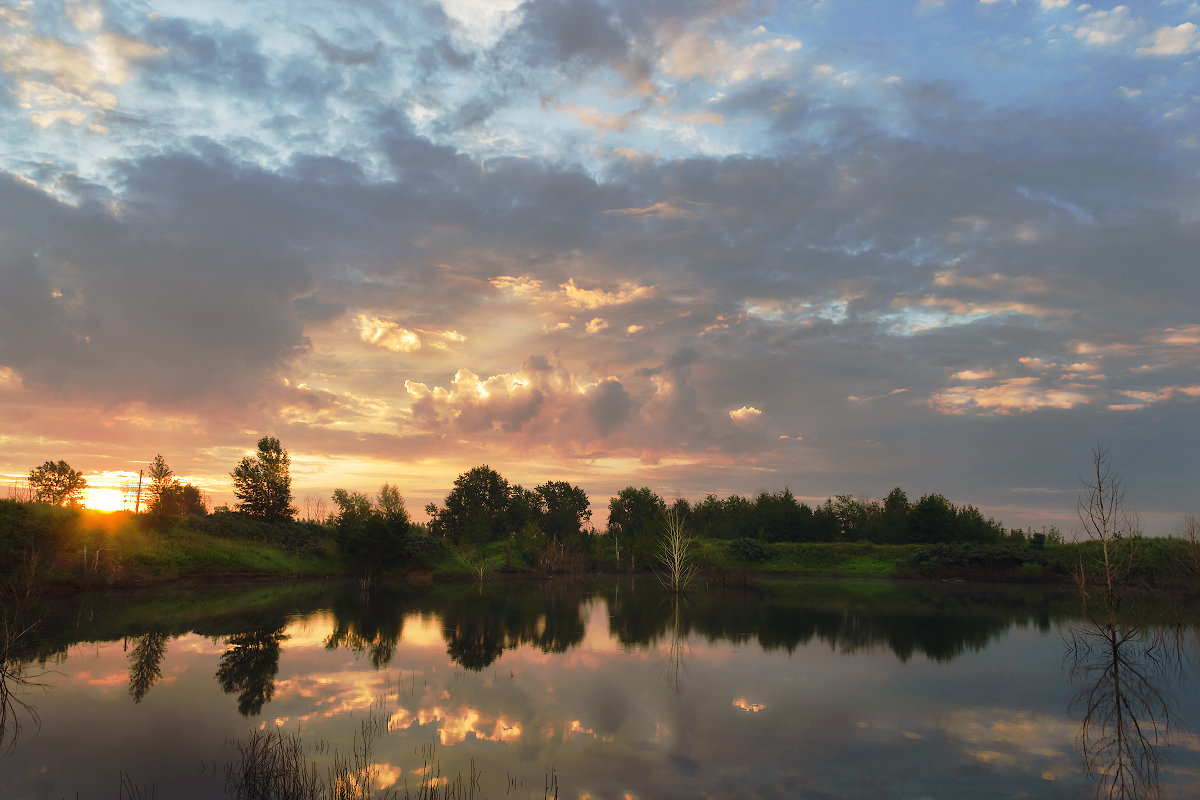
(715, 246)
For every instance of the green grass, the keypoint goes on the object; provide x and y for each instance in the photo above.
(862, 559)
(46, 545)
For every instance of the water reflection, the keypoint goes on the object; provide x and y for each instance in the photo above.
(249, 666)
(787, 689)
(1125, 672)
(17, 676)
(145, 663)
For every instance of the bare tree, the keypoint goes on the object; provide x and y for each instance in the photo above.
(315, 509)
(676, 555)
(1118, 663)
(1109, 522)
(21, 491)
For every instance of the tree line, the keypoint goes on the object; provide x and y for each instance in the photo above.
(484, 508)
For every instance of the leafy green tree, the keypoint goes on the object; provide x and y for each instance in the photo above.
(263, 484)
(932, 519)
(476, 507)
(635, 516)
(57, 484)
(564, 512)
(971, 526)
(375, 535)
(895, 516)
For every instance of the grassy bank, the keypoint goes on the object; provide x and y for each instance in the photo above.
(47, 547)
(44, 546)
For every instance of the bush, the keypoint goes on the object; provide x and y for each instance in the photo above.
(292, 537)
(747, 549)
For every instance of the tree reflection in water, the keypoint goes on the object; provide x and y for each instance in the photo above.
(677, 647)
(16, 675)
(145, 663)
(1122, 677)
(249, 667)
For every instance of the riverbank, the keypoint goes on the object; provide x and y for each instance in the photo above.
(49, 549)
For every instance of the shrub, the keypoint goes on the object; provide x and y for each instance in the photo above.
(747, 549)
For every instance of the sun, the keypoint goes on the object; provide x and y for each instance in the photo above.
(100, 499)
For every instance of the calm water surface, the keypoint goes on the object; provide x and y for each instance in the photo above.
(810, 690)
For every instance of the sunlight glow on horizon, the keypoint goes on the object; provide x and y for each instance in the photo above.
(103, 499)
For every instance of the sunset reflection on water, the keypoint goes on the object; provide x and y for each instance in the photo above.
(611, 713)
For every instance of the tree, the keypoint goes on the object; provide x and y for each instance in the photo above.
(476, 507)
(57, 484)
(170, 498)
(932, 519)
(564, 511)
(675, 554)
(161, 477)
(895, 515)
(634, 518)
(1114, 530)
(375, 535)
(263, 483)
(181, 500)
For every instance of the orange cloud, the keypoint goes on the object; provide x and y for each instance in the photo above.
(598, 298)
(392, 336)
(1006, 397)
(660, 210)
(745, 416)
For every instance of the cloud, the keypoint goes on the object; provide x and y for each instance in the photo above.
(501, 402)
(387, 334)
(570, 294)
(1006, 397)
(746, 416)
(392, 336)
(286, 223)
(661, 210)
(59, 80)
(590, 299)
(723, 62)
(1172, 41)
(1102, 27)
(973, 375)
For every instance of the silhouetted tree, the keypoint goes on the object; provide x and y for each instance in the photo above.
(181, 501)
(57, 484)
(263, 484)
(161, 478)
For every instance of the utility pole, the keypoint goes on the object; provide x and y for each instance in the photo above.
(137, 504)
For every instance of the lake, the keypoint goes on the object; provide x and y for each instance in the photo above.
(612, 689)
